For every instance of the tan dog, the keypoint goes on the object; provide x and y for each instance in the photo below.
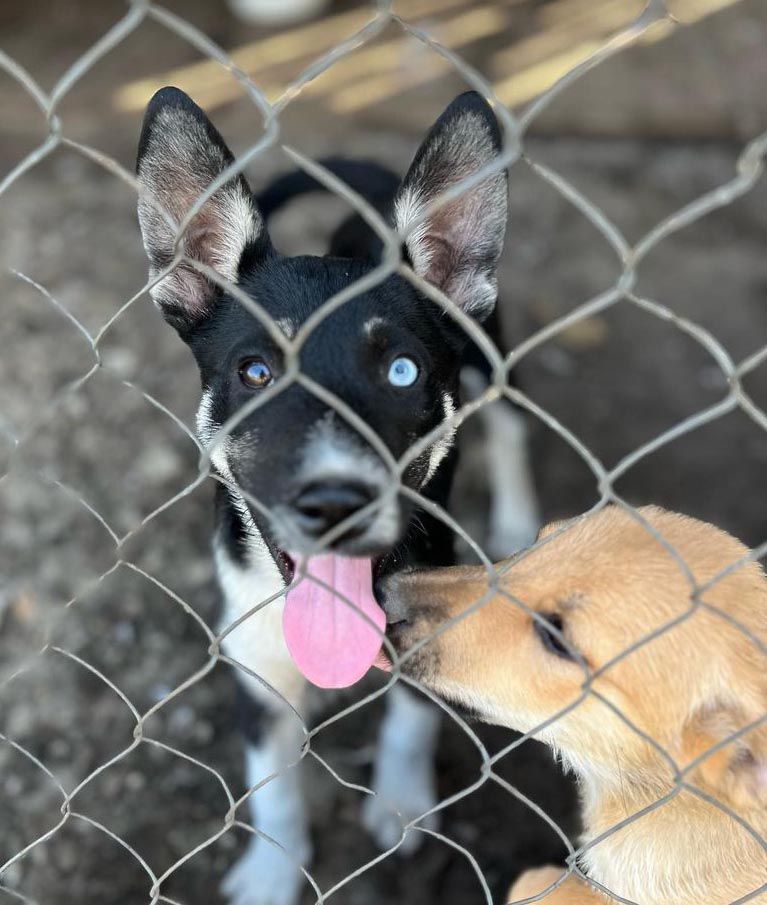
(597, 587)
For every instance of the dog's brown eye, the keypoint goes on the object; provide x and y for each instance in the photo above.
(255, 373)
(551, 641)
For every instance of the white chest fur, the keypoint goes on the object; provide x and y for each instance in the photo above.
(254, 600)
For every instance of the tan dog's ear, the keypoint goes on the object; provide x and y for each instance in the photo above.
(551, 528)
(737, 771)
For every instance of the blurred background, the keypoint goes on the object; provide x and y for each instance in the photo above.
(645, 133)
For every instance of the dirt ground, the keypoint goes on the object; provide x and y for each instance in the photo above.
(617, 381)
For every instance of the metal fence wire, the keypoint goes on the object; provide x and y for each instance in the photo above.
(630, 257)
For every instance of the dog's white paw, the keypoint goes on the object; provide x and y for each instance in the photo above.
(404, 789)
(265, 875)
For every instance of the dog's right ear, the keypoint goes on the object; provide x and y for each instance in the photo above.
(736, 767)
(180, 154)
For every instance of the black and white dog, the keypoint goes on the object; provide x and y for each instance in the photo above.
(391, 356)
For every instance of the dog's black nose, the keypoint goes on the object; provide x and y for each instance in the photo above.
(388, 592)
(321, 506)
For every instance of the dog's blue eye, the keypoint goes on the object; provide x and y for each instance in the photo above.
(403, 372)
(255, 373)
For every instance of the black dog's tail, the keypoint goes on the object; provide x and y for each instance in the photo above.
(374, 182)
(353, 238)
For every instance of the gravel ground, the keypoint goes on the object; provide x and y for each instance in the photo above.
(617, 381)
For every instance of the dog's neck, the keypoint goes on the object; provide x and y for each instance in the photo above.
(685, 851)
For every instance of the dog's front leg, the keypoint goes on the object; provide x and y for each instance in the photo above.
(403, 775)
(269, 872)
(404, 780)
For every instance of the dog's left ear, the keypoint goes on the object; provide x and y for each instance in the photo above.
(736, 771)
(457, 247)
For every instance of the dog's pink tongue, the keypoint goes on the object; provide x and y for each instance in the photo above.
(330, 641)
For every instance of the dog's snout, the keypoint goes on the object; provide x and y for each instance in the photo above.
(321, 506)
(388, 593)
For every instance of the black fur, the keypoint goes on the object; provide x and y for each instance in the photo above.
(253, 717)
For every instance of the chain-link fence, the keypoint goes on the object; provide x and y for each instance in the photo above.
(121, 785)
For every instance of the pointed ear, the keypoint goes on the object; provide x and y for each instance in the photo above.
(458, 246)
(546, 530)
(736, 772)
(180, 154)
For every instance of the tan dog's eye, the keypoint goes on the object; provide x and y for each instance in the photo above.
(553, 642)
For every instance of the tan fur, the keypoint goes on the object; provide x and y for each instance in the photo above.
(571, 892)
(613, 583)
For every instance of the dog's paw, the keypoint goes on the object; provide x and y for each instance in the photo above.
(534, 882)
(403, 791)
(265, 875)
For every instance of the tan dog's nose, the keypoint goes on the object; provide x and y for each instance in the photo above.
(390, 594)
